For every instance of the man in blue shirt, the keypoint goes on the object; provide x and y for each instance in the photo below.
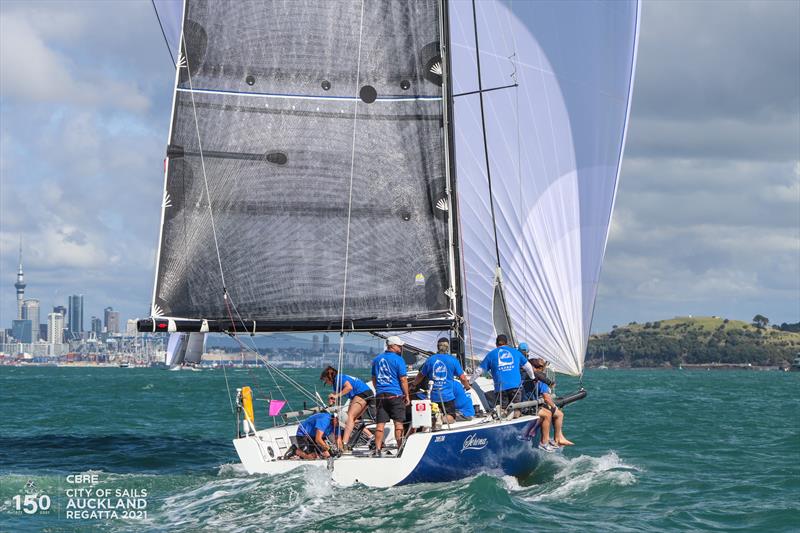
(391, 391)
(355, 390)
(505, 362)
(464, 408)
(441, 368)
(312, 434)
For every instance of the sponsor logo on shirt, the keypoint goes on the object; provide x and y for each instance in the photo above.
(384, 372)
(505, 360)
(474, 442)
(439, 371)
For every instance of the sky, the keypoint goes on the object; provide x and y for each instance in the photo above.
(707, 219)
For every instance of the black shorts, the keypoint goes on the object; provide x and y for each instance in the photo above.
(307, 444)
(508, 396)
(368, 396)
(390, 408)
(448, 407)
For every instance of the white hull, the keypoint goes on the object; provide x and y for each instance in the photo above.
(463, 450)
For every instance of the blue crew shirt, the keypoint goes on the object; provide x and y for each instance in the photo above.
(357, 386)
(387, 369)
(319, 421)
(505, 364)
(463, 400)
(441, 368)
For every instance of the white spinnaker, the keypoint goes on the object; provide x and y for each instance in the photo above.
(555, 148)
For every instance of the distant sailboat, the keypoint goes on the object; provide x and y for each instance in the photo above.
(417, 168)
(603, 364)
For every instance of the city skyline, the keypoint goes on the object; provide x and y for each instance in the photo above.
(30, 309)
(707, 217)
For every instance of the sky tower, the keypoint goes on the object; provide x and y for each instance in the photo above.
(20, 284)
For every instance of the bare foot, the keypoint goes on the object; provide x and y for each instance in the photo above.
(565, 442)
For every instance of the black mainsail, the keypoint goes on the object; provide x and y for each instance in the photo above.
(307, 141)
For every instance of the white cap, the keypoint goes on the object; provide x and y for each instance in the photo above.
(394, 340)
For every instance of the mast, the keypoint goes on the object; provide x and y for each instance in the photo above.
(450, 170)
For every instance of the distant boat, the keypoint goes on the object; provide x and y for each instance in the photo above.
(603, 365)
(796, 364)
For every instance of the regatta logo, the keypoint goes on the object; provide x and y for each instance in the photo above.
(474, 442)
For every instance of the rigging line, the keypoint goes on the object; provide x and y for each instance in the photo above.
(513, 59)
(481, 91)
(483, 129)
(267, 364)
(166, 41)
(350, 196)
(227, 386)
(203, 165)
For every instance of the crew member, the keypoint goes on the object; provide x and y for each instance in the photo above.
(355, 390)
(549, 414)
(528, 384)
(464, 408)
(504, 362)
(442, 368)
(391, 391)
(312, 434)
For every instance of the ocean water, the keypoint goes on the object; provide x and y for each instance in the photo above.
(657, 450)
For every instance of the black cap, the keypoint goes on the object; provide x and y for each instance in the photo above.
(502, 339)
(443, 339)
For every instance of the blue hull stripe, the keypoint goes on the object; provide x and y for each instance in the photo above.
(510, 448)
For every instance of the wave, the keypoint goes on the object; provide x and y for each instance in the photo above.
(579, 475)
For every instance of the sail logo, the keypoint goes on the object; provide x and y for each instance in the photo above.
(384, 372)
(474, 442)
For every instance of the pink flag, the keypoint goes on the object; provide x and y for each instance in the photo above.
(275, 407)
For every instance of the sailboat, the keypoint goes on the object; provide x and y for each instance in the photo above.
(419, 168)
(603, 364)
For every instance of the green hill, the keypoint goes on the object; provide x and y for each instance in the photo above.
(693, 340)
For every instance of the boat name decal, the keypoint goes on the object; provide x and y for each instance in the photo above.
(474, 442)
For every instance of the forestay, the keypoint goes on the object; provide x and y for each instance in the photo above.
(294, 124)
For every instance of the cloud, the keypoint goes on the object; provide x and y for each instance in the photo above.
(707, 219)
(81, 155)
(32, 71)
(713, 60)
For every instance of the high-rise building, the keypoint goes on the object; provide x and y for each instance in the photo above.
(97, 325)
(326, 344)
(55, 328)
(130, 328)
(111, 320)
(75, 316)
(60, 309)
(30, 311)
(20, 284)
(315, 343)
(21, 331)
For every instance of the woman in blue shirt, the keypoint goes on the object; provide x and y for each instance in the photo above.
(355, 390)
